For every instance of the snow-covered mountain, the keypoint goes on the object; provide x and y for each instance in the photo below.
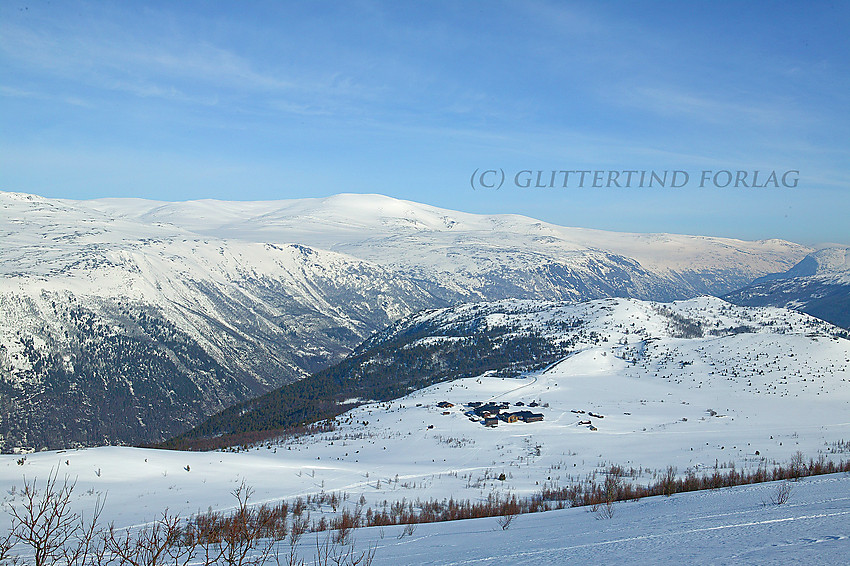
(819, 285)
(701, 385)
(113, 330)
(124, 320)
(482, 257)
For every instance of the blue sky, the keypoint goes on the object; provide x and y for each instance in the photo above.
(276, 100)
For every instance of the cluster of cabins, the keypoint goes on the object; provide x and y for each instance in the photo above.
(588, 422)
(492, 413)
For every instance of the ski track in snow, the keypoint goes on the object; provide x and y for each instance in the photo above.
(646, 532)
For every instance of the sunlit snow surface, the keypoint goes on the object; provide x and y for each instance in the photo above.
(734, 526)
(692, 403)
(383, 229)
(738, 525)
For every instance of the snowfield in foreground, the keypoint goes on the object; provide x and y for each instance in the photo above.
(739, 525)
(731, 526)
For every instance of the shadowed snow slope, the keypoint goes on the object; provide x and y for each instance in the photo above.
(819, 285)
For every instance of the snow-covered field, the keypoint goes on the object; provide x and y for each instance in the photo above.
(731, 526)
(739, 525)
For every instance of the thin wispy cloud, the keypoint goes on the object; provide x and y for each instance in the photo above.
(160, 67)
(672, 102)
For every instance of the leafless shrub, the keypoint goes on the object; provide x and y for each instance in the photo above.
(603, 510)
(292, 559)
(244, 538)
(158, 543)
(602, 505)
(782, 493)
(300, 524)
(668, 481)
(328, 554)
(45, 523)
(6, 545)
(344, 525)
(506, 520)
(798, 465)
(409, 529)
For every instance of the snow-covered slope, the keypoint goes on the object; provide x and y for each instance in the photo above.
(819, 285)
(732, 526)
(694, 384)
(726, 526)
(736, 525)
(114, 330)
(831, 262)
(136, 318)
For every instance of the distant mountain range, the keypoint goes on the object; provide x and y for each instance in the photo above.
(461, 256)
(819, 285)
(124, 320)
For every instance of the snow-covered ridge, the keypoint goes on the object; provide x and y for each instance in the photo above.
(709, 380)
(700, 317)
(819, 285)
(832, 263)
(351, 221)
(455, 255)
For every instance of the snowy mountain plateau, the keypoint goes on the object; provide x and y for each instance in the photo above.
(464, 256)
(123, 320)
